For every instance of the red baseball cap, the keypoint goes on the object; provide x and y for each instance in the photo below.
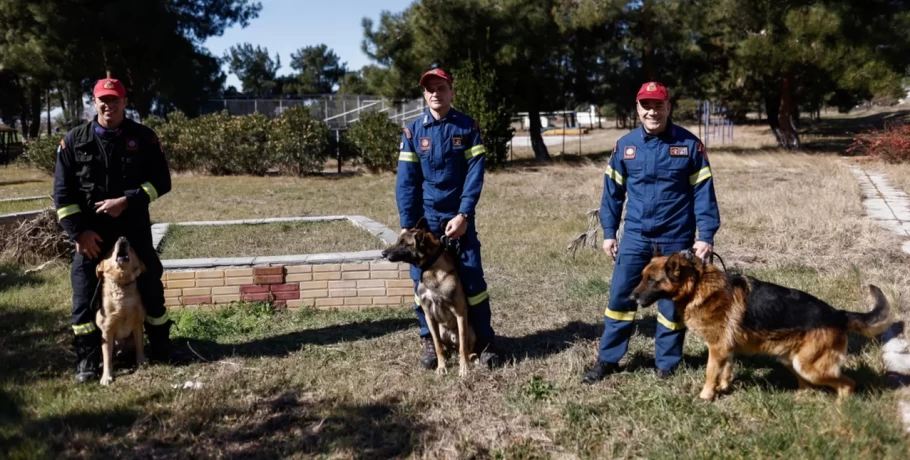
(653, 90)
(109, 87)
(435, 73)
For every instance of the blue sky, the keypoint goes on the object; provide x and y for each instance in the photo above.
(284, 26)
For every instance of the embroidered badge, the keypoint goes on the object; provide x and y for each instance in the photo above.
(629, 153)
(108, 85)
(424, 144)
(651, 87)
(456, 141)
(132, 145)
(679, 151)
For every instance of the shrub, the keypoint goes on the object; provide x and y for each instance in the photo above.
(480, 98)
(299, 142)
(891, 144)
(42, 152)
(377, 139)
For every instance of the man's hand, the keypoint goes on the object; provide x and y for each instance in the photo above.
(703, 250)
(87, 244)
(112, 207)
(610, 248)
(456, 227)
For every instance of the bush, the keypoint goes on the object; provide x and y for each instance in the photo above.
(171, 133)
(242, 148)
(891, 144)
(685, 110)
(41, 153)
(377, 139)
(480, 98)
(298, 141)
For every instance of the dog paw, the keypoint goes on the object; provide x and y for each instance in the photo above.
(706, 395)
(463, 371)
(441, 371)
(106, 380)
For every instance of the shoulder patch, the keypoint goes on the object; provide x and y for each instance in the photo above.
(616, 147)
(62, 143)
(407, 132)
(629, 153)
(476, 126)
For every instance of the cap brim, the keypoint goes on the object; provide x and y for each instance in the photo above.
(427, 77)
(108, 92)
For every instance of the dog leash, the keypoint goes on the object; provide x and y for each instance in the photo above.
(722, 264)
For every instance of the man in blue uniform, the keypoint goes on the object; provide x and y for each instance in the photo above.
(440, 176)
(108, 171)
(664, 172)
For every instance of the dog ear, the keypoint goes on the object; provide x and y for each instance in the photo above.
(422, 223)
(99, 269)
(672, 268)
(656, 251)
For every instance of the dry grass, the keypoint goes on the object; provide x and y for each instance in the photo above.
(186, 242)
(19, 181)
(346, 384)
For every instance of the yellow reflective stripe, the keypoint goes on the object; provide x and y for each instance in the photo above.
(475, 151)
(702, 175)
(417, 300)
(150, 190)
(67, 211)
(478, 298)
(410, 157)
(669, 324)
(616, 176)
(157, 321)
(82, 329)
(620, 315)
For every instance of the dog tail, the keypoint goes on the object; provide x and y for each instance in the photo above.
(874, 322)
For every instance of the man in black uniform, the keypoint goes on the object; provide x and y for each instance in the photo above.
(108, 171)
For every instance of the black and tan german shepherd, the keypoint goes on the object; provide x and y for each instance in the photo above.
(440, 292)
(741, 314)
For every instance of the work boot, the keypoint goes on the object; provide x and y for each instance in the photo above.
(428, 358)
(664, 374)
(599, 371)
(88, 356)
(489, 357)
(161, 350)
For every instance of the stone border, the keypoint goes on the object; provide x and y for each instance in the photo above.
(18, 216)
(345, 280)
(380, 231)
(26, 198)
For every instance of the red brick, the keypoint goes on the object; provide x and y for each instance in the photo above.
(255, 297)
(285, 287)
(253, 289)
(196, 299)
(286, 295)
(268, 279)
(264, 271)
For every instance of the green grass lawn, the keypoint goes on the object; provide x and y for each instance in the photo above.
(185, 242)
(346, 384)
(9, 207)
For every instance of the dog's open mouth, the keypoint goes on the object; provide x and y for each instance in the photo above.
(123, 251)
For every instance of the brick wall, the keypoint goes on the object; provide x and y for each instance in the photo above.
(343, 286)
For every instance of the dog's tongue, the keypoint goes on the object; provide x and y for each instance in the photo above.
(123, 260)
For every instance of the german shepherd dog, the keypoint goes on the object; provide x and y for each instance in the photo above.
(121, 312)
(441, 295)
(741, 314)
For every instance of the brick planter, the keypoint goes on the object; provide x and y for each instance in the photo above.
(350, 280)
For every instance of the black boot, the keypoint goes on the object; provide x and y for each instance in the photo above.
(161, 350)
(88, 354)
(428, 358)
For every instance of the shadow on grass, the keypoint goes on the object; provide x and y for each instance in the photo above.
(285, 424)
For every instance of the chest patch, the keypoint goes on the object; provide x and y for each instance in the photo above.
(457, 141)
(629, 153)
(679, 151)
(132, 145)
(424, 144)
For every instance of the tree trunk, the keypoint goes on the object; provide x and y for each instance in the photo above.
(772, 109)
(786, 118)
(34, 94)
(540, 149)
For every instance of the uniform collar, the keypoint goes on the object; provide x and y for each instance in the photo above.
(428, 117)
(668, 134)
(104, 132)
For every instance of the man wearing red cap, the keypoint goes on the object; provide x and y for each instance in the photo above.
(440, 176)
(663, 172)
(108, 172)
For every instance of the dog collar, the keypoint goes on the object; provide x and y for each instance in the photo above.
(433, 258)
